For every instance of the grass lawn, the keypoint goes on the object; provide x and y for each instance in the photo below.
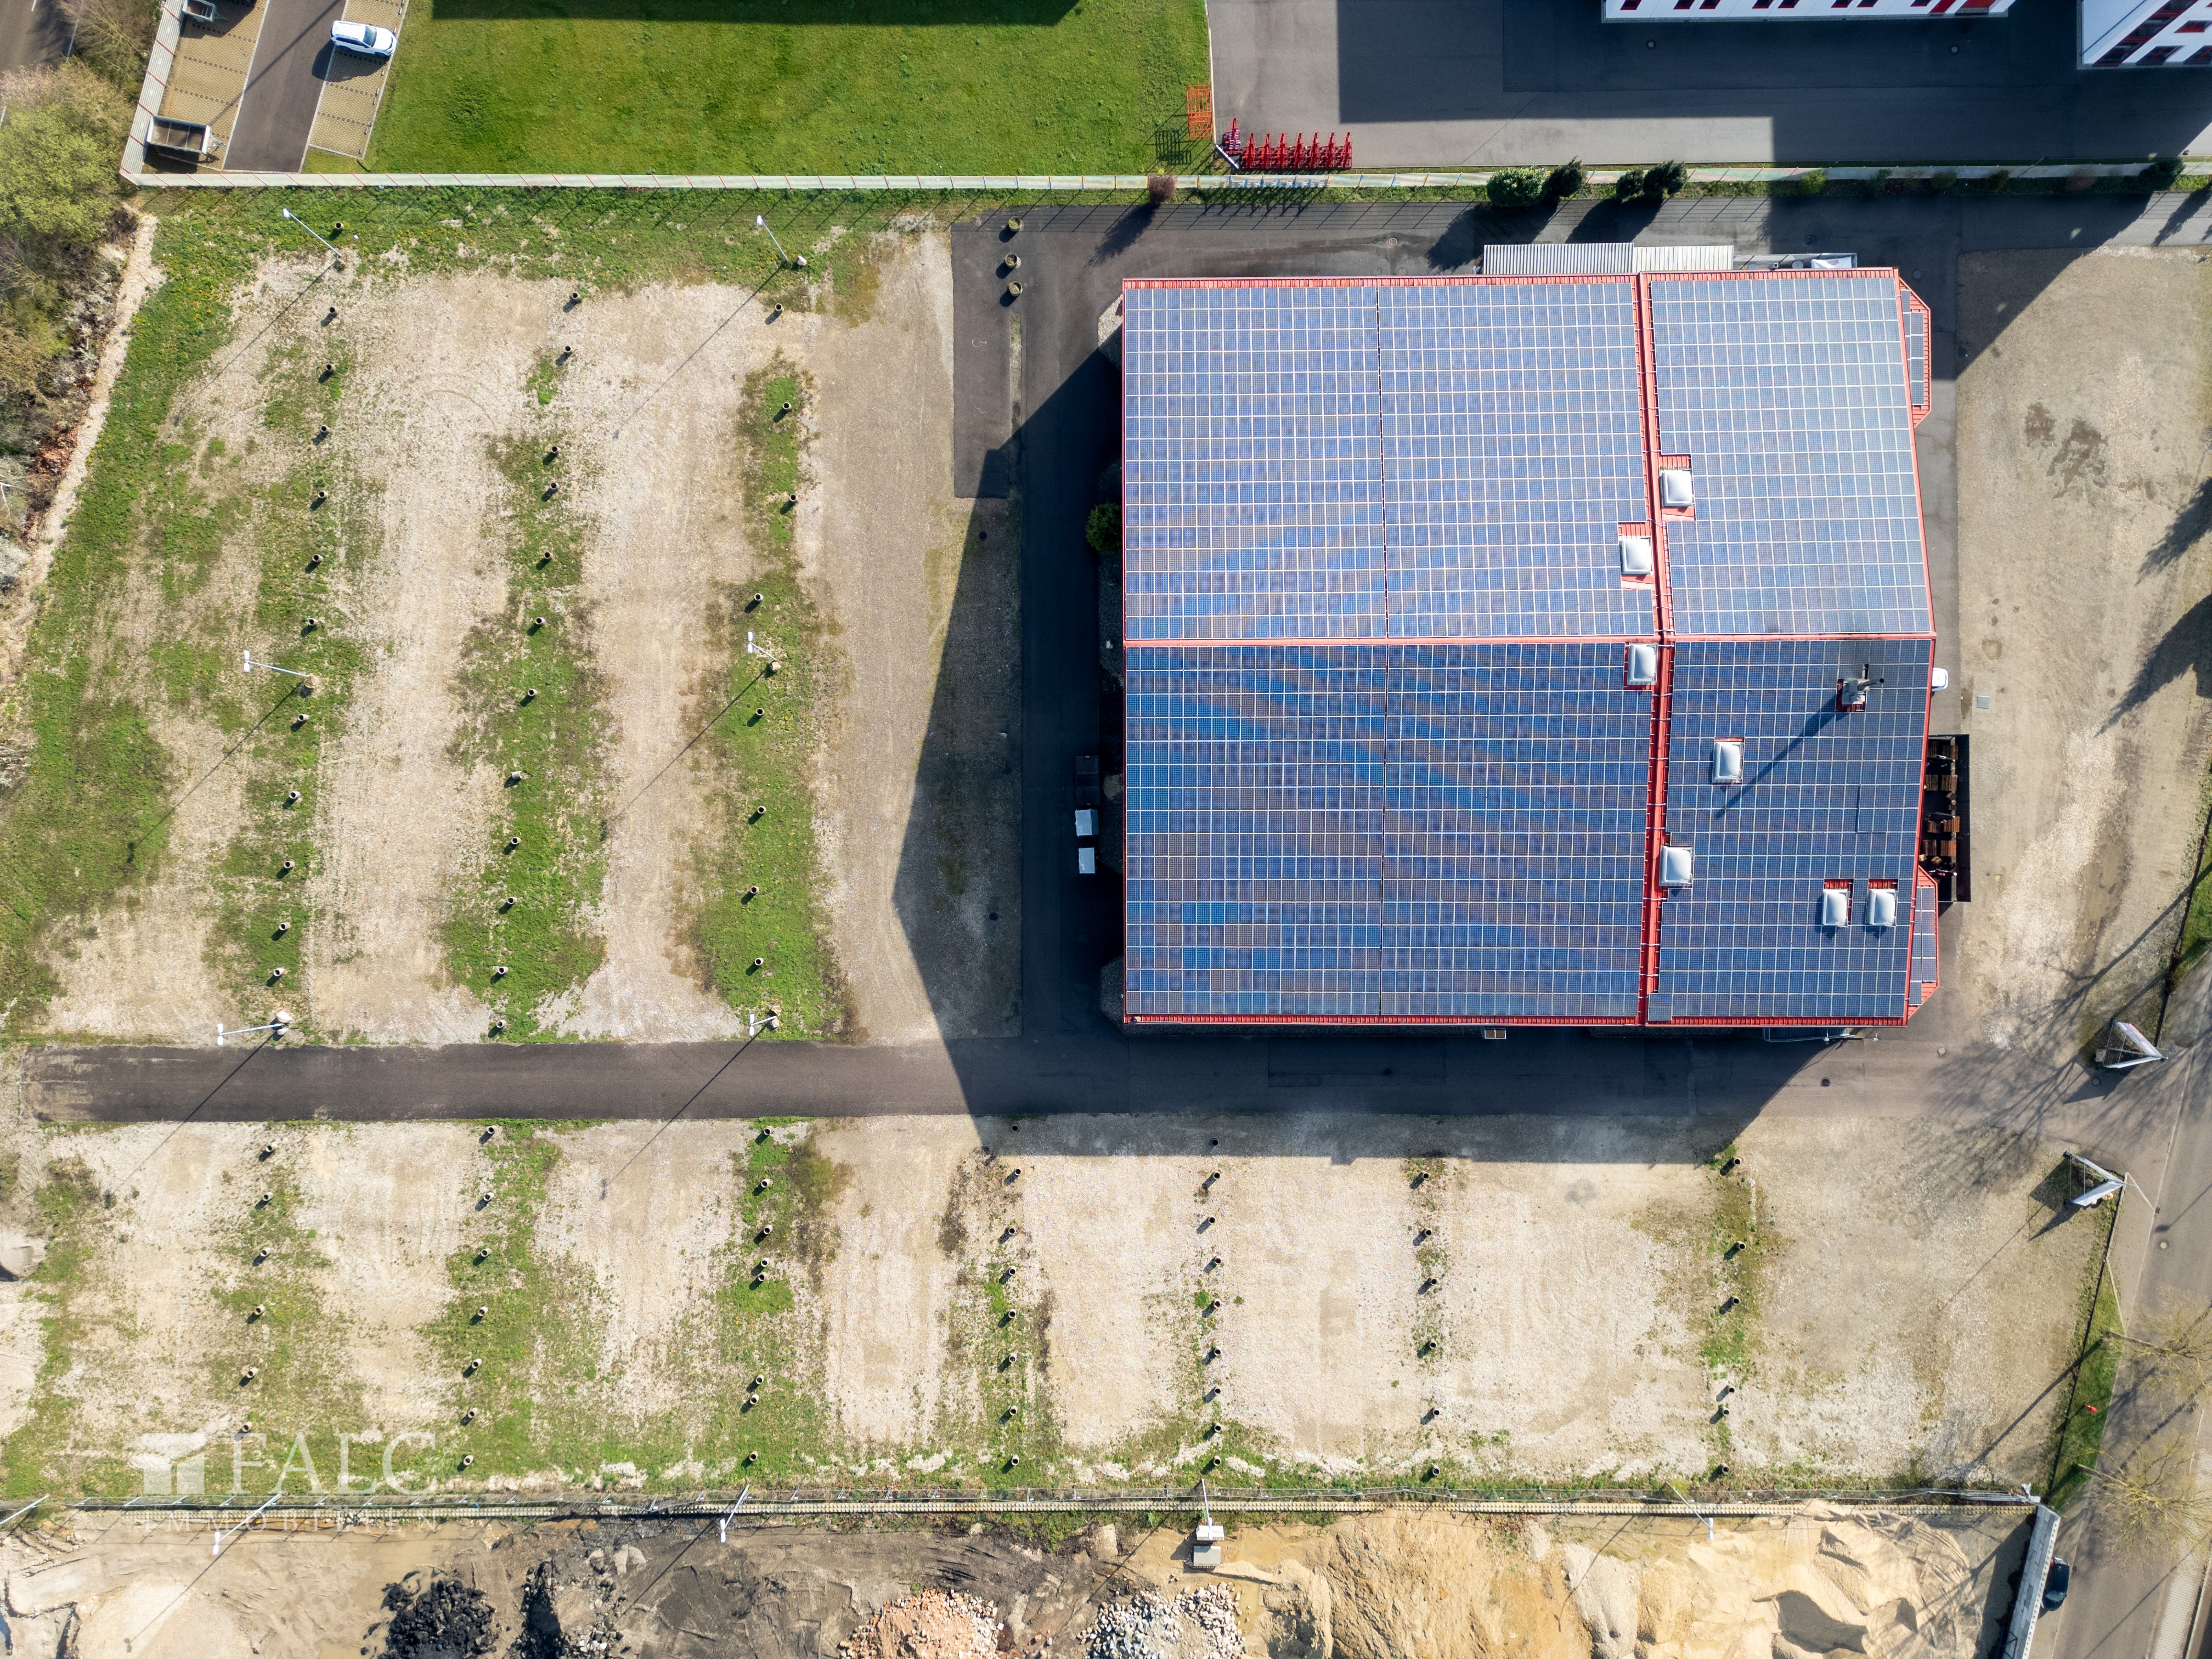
(792, 86)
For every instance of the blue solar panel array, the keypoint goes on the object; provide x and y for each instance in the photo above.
(1252, 475)
(1825, 795)
(1512, 453)
(1348, 462)
(1914, 321)
(1787, 395)
(1330, 814)
(1384, 831)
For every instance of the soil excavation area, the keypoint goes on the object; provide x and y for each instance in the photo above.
(1931, 1583)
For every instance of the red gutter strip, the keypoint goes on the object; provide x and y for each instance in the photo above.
(1662, 694)
(1370, 282)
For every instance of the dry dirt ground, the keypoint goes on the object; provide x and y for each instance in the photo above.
(1924, 1583)
(2084, 430)
(439, 369)
(1505, 1296)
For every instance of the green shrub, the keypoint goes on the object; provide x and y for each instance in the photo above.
(2161, 173)
(1565, 181)
(1629, 187)
(1945, 183)
(1668, 179)
(1812, 183)
(1104, 533)
(1992, 184)
(1515, 188)
(58, 148)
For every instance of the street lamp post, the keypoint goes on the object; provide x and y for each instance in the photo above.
(273, 668)
(336, 258)
(761, 219)
(278, 1022)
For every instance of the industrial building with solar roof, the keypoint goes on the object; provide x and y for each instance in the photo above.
(1518, 650)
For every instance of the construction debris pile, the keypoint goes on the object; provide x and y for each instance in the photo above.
(932, 1624)
(1199, 1624)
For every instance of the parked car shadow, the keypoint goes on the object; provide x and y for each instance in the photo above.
(331, 64)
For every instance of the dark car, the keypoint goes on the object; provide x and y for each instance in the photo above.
(2055, 1586)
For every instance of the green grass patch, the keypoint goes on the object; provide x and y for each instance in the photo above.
(793, 86)
(536, 720)
(89, 818)
(2082, 1435)
(759, 937)
(541, 1393)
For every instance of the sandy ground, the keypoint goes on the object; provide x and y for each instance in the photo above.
(1914, 1299)
(2083, 439)
(922, 804)
(923, 877)
(1917, 1582)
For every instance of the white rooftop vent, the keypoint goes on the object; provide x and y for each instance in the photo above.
(1676, 490)
(1636, 556)
(1642, 665)
(1086, 821)
(1835, 907)
(1087, 860)
(1882, 908)
(1678, 867)
(1728, 760)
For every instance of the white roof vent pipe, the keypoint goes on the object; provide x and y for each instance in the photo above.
(1678, 867)
(1642, 665)
(1728, 760)
(1636, 556)
(1676, 491)
(1835, 907)
(1882, 908)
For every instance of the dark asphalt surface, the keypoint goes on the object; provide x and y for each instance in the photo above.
(277, 110)
(1492, 82)
(33, 34)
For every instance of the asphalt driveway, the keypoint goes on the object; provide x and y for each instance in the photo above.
(286, 85)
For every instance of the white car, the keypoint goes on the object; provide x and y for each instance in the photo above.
(366, 39)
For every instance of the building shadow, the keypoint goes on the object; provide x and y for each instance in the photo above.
(1827, 92)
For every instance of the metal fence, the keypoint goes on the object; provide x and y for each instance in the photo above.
(358, 1509)
(135, 172)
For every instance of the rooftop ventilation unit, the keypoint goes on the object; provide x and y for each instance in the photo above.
(1678, 867)
(1835, 907)
(1642, 665)
(1676, 491)
(1882, 908)
(1728, 760)
(1636, 556)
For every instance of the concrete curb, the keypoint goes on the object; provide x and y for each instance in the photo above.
(134, 174)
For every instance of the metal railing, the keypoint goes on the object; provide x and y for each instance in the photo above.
(363, 1509)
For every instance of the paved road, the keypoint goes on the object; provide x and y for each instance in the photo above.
(286, 84)
(33, 35)
(2120, 1607)
(1480, 83)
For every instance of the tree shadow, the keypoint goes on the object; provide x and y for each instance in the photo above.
(2188, 526)
(2187, 648)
